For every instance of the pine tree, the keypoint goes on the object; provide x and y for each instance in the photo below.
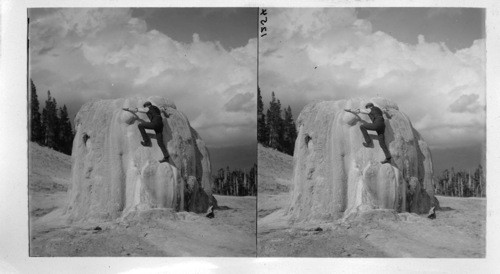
(219, 187)
(280, 126)
(227, 180)
(35, 117)
(289, 132)
(65, 131)
(235, 183)
(462, 183)
(44, 126)
(45, 120)
(274, 122)
(56, 128)
(50, 122)
(481, 184)
(293, 134)
(262, 129)
(469, 184)
(253, 180)
(245, 183)
(273, 130)
(450, 182)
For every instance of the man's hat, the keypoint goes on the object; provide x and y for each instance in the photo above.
(147, 104)
(369, 105)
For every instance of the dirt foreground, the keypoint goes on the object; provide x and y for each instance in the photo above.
(458, 232)
(152, 233)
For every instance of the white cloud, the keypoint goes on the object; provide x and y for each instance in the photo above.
(466, 103)
(81, 54)
(331, 54)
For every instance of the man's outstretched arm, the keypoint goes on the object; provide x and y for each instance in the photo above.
(357, 111)
(143, 110)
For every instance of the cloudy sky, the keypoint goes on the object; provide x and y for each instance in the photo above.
(202, 59)
(431, 62)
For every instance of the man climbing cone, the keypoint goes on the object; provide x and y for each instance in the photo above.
(377, 125)
(156, 123)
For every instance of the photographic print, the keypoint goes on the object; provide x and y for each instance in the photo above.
(372, 132)
(142, 131)
(271, 136)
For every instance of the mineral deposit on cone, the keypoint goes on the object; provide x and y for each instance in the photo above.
(113, 174)
(335, 176)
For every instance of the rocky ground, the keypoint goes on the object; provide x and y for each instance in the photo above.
(458, 231)
(152, 233)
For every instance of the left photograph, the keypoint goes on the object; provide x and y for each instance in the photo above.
(142, 132)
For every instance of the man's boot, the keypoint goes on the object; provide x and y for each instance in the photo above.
(165, 159)
(146, 144)
(387, 160)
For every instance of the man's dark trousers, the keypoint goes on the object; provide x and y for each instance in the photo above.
(379, 126)
(157, 126)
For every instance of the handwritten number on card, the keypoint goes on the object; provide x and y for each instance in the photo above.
(263, 21)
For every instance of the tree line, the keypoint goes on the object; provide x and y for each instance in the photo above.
(52, 127)
(462, 183)
(275, 130)
(235, 182)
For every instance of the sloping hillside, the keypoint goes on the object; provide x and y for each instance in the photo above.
(275, 171)
(49, 170)
(274, 180)
(49, 174)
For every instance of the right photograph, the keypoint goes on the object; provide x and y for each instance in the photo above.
(372, 132)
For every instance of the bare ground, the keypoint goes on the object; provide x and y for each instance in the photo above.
(151, 233)
(458, 231)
